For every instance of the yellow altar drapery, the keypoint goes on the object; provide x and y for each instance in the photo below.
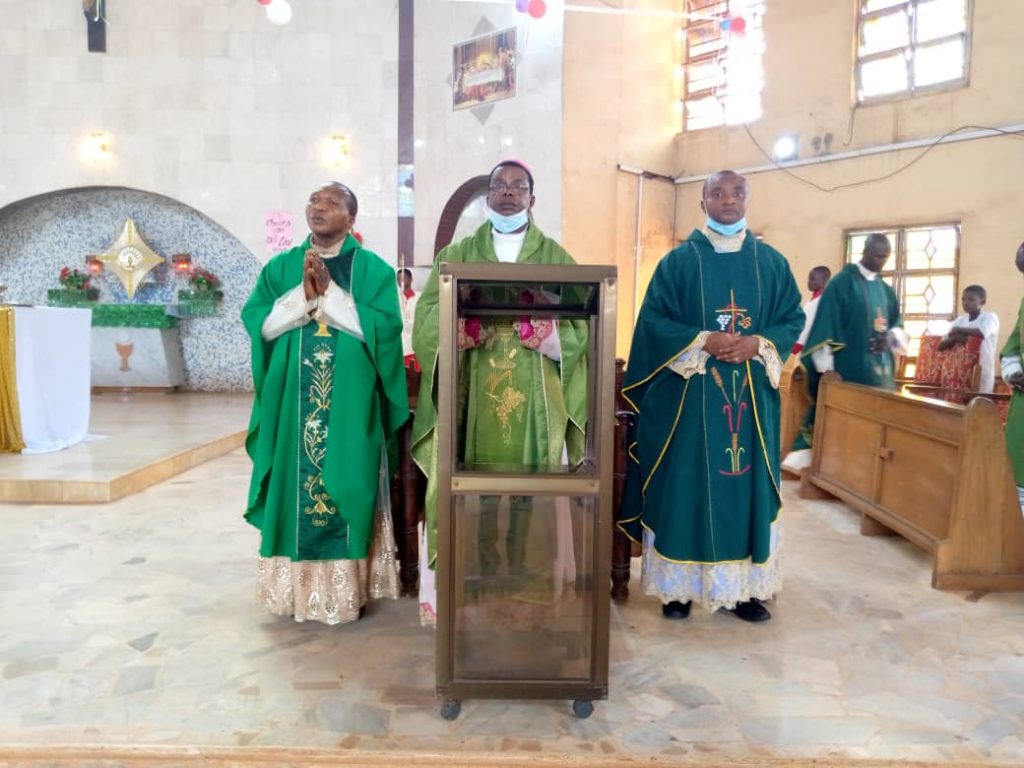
(10, 419)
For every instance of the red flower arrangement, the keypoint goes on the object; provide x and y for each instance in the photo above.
(73, 279)
(204, 280)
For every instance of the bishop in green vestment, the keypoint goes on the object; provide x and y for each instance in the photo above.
(330, 393)
(702, 483)
(855, 333)
(1013, 374)
(522, 387)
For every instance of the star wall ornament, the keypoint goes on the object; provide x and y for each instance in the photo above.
(130, 258)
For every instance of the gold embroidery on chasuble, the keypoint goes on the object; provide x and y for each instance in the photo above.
(506, 402)
(314, 432)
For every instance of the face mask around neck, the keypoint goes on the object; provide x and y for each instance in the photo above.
(508, 224)
(727, 229)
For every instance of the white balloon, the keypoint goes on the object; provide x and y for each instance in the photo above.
(279, 12)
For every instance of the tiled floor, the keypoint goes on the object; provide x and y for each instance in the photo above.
(134, 623)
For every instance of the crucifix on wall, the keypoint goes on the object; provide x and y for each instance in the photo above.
(96, 24)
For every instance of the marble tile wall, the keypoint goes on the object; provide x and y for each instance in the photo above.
(40, 235)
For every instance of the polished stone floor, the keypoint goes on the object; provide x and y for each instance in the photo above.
(135, 623)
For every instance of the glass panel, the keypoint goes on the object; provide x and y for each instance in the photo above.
(915, 329)
(498, 416)
(931, 248)
(704, 75)
(854, 247)
(878, 5)
(882, 76)
(522, 592)
(943, 298)
(742, 108)
(703, 38)
(944, 241)
(708, 6)
(914, 300)
(883, 33)
(704, 113)
(929, 294)
(491, 297)
(940, 18)
(939, 63)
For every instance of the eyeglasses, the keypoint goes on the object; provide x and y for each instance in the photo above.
(500, 188)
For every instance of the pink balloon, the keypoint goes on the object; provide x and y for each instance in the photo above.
(738, 26)
(537, 8)
(522, 5)
(264, 2)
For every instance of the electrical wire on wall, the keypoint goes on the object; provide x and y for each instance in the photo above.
(1014, 134)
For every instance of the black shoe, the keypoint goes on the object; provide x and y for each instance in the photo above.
(752, 610)
(675, 610)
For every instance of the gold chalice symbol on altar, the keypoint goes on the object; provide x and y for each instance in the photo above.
(124, 347)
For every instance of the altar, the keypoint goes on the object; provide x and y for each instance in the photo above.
(44, 378)
(135, 347)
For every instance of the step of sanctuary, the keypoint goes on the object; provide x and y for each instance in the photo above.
(135, 441)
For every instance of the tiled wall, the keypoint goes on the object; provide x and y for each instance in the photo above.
(40, 235)
(207, 102)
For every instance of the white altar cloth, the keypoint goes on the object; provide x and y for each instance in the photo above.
(53, 353)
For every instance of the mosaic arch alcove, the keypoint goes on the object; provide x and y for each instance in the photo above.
(40, 234)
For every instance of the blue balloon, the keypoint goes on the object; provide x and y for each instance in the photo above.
(726, 23)
(522, 5)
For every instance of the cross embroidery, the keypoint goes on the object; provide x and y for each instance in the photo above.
(730, 313)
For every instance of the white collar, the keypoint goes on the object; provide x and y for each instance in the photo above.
(866, 273)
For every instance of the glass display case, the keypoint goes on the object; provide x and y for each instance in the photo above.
(525, 463)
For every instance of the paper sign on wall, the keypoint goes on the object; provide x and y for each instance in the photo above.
(279, 230)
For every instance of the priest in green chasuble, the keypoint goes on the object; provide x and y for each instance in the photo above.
(856, 332)
(702, 480)
(326, 338)
(522, 388)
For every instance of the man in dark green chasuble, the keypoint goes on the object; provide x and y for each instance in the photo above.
(330, 387)
(702, 480)
(531, 414)
(856, 333)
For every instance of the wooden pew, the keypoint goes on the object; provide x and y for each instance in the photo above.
(794, 400)
(408, 493)
(934, 472)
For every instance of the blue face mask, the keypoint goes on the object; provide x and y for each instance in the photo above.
(508, 224)
(727, 229)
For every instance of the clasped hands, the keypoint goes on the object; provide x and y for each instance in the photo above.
(1016, 381)
(731, 347)
(315, 277)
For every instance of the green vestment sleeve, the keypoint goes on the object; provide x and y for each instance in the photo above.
(1015, 415)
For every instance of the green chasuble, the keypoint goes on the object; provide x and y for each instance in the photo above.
(518, 418)
(325, 404)
(1015, 416)
(703, 468)
(851, 311)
